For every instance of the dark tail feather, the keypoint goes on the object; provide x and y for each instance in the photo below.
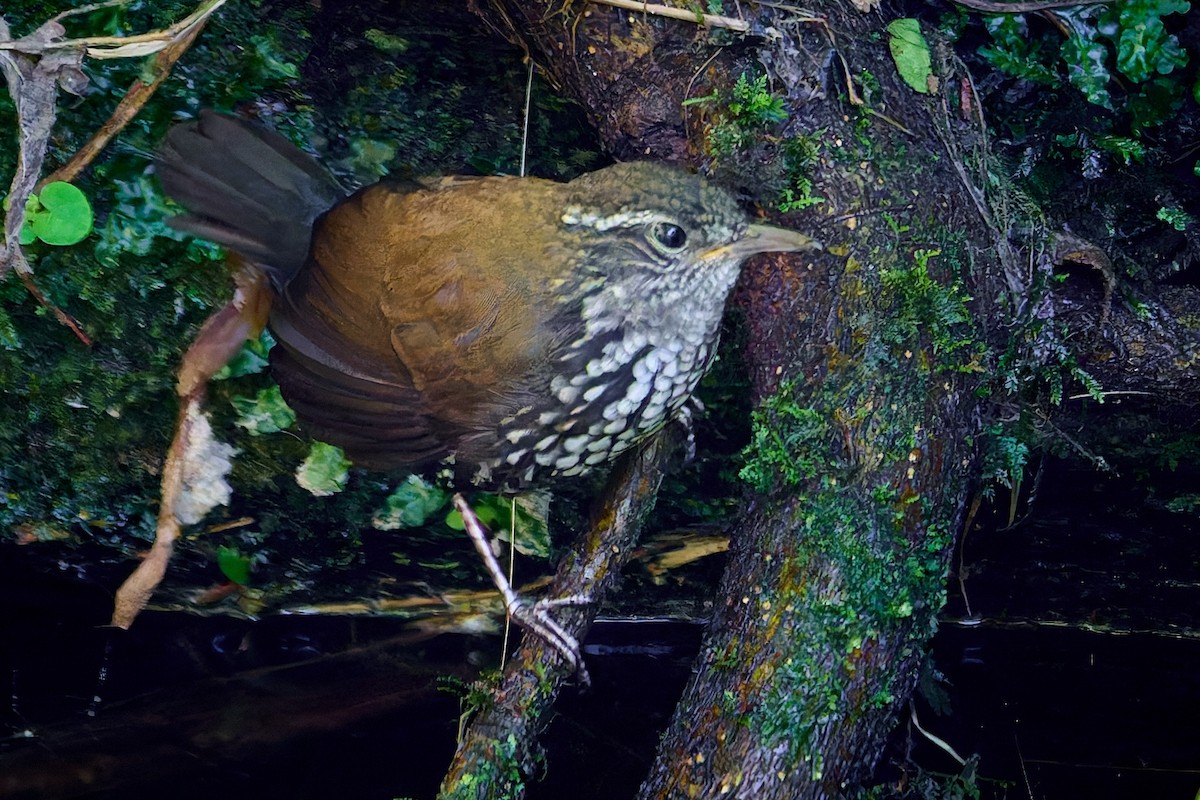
(247, 188)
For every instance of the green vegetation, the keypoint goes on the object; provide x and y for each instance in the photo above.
(1132, 37)
(744, 120)
(750, 109)
(788, 444)
(60, 215)
(800, 156)
(924, 309)
(910, 51)
(84, 430)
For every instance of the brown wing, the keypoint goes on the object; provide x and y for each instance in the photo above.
(417, 316)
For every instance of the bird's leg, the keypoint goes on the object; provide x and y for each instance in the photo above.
(685, 416)
(533, 617)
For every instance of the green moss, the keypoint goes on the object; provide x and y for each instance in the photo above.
(501, 776)
(882, 573)
(789, 443)
(869, 554)
(920, 310)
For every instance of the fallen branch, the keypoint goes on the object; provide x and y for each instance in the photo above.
(501, 740)
(218, 341)
(708, 20)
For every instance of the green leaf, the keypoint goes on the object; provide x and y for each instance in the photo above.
(250, 360)
(266, 412)
(269, 56)
(1144, 47)
(910, 51)
(1156, 101)
(1087, 69)
(325, 471)
(1015, 52)
(496, 513)
(410, 505)
(1177, 218)
(61, 215)
(234, 565)
(1129, 150)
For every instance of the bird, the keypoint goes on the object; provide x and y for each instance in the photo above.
(503, 332)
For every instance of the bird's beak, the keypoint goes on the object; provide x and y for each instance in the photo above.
(763, 239)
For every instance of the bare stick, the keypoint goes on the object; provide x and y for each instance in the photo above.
(503, 736)
(129, 106)
(708, 20)
(992, 7)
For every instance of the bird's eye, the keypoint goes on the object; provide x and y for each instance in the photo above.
(668, 236)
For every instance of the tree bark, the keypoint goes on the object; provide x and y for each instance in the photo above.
(864, 357)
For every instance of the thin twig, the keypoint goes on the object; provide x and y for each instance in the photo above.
(992, 7)
(142, 44)
(1173, 632)
(708, 20)
(525, 118)
(972, 511)
(940, 742)
(1115, 393)
(137, 96)
(512, 565)
(63, 317)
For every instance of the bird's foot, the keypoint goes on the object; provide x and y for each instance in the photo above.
(534, 616)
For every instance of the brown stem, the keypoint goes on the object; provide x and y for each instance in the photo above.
(60, 315)
(499, 741)
(128, 108)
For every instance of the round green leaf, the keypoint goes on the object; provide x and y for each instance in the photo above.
(63, 216)
(234, 565)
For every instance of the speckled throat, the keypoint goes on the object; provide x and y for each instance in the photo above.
(618, 384)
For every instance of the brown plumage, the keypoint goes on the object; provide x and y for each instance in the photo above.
(512, 329)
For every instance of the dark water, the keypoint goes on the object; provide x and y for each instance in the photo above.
(1078, 675)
